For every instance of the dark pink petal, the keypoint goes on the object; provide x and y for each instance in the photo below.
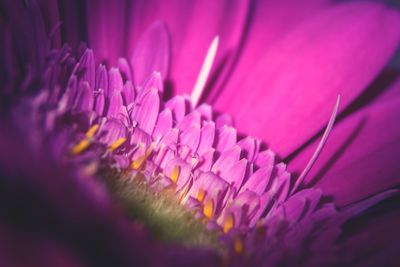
(107, 29)
(361, 157)
(151, 54)
(339, 51)
(145, 114)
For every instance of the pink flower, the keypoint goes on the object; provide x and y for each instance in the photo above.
(277, 70)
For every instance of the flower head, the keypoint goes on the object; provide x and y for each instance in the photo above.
(174, 162)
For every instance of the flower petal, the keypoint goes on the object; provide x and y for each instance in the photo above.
(361, 158)
(360, 38)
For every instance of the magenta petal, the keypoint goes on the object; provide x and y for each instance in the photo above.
(151, 53)
(227, 159)
(207, 137)
(145, 114)
(258, 181)
(125, 69)
(99, 102)
(128, 93)
(101, 78)
(106, 28)
(193, 118)
(361, 156)
(226, 138)
(359, 38)
(111, 131)
(177, 105)
(85, 98)
(164, 123)
(115, 82)
(115, 104)
(191, 138)
(86, 63)
(235, 174)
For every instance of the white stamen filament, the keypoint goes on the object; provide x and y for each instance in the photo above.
(319, 148)
(204, 72)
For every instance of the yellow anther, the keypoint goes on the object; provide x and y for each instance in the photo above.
(201, 194)
(208, 208)
(238, 245)
(137, 163)
(90, 133)
(80, 147)
(175, 174)
(229, 223)
(120, 141)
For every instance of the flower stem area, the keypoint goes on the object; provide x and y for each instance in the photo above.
(160, 212)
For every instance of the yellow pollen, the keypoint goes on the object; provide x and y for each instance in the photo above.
(229, 222)
(120, 141)
(137, 163)
(80, 147)
(90, 133)
(175, 174)
(208, 208)
(201, 194)
(238, 245)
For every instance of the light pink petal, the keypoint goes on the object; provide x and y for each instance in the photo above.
(258, 181)
(207, 138)
(227, 159)
(151, 53)
(265, 158)
(177, 105)
(226, 138)
(191, 138)
(235, 174)
(145, 114)
(192, 118)
(207, 160)
(339, 51)
(164, 123)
